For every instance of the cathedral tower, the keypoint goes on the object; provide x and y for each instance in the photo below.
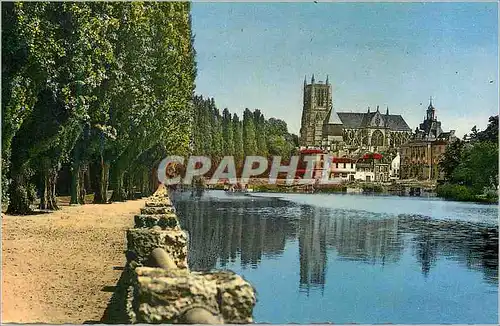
(317, 104)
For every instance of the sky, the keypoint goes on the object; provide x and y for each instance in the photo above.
(396, 55)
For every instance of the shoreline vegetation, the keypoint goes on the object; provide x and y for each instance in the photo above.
(414, 189)
(463, 193)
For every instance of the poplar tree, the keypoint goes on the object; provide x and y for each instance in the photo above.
(249, 137)
(238, 140)
(227, 133)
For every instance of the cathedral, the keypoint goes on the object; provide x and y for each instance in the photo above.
(322, 127)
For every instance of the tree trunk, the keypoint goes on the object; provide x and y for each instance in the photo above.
(153, 181)
(88, 184)
(116, 184)
(52, 188)
(145, 183)
(81, 183)
(75, 183)
(131, 186)
(48, 199)
(44, 198)
(19, 203)
(120, 166)
(100, 194)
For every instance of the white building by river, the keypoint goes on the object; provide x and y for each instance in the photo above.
(395, 166)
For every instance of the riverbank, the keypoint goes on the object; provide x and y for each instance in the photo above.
(61, 267)
(411, 188)
(400, 188)
(465, 194)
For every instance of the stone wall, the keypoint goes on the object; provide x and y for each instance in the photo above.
(176, 294)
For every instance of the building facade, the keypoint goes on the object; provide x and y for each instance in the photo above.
(364, 172)
(421, 155)
(395, 167)
(343, 168)
(322, 127)
(317, 104)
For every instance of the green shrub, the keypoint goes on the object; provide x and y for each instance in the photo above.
(330, 188)
(266, 188)
(370, 187)
(456, 192)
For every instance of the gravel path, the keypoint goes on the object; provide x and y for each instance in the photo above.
(62, 267)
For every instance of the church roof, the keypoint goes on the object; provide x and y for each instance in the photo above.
(351, 120)
(397, 123)
(333, 118)
(360, 120)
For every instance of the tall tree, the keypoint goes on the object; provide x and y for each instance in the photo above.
(260, 133)
(490, 133)
(451, 158)
(249, 137)
(227, 133)
(92, 81)
(238, 140)
(217, 137)
(478, 167)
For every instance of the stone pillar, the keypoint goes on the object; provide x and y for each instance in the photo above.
(164, 296)
(173, 294)
(141, 242)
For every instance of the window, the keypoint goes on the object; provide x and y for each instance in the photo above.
(352, 166)
(344, 165)
(344, 175)
(351, 177)
(336, 165)
(368, 178)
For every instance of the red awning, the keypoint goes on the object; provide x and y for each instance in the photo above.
(342, 160)
(311, 151)
(375, 156)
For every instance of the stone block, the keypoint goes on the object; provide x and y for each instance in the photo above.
(161, 191)
(141, 242)
(157, 210)
(158, 202)
(164, 221)
(163, 296)
(236, 296)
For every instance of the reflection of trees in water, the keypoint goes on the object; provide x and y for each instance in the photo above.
(473, 244)
(226, 230)
(364, 239)
(426, 251)
(223, 230)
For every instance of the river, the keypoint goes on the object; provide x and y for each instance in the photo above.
(342, 258)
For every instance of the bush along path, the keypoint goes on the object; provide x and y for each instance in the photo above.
(159, 286)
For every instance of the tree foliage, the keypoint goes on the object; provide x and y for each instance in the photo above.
(218, 135)
(451, 158)
(474, 164)
(103, 91)
(103, 84)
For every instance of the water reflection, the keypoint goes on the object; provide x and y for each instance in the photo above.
(312, 248)
(224, 228)
(474, 245)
